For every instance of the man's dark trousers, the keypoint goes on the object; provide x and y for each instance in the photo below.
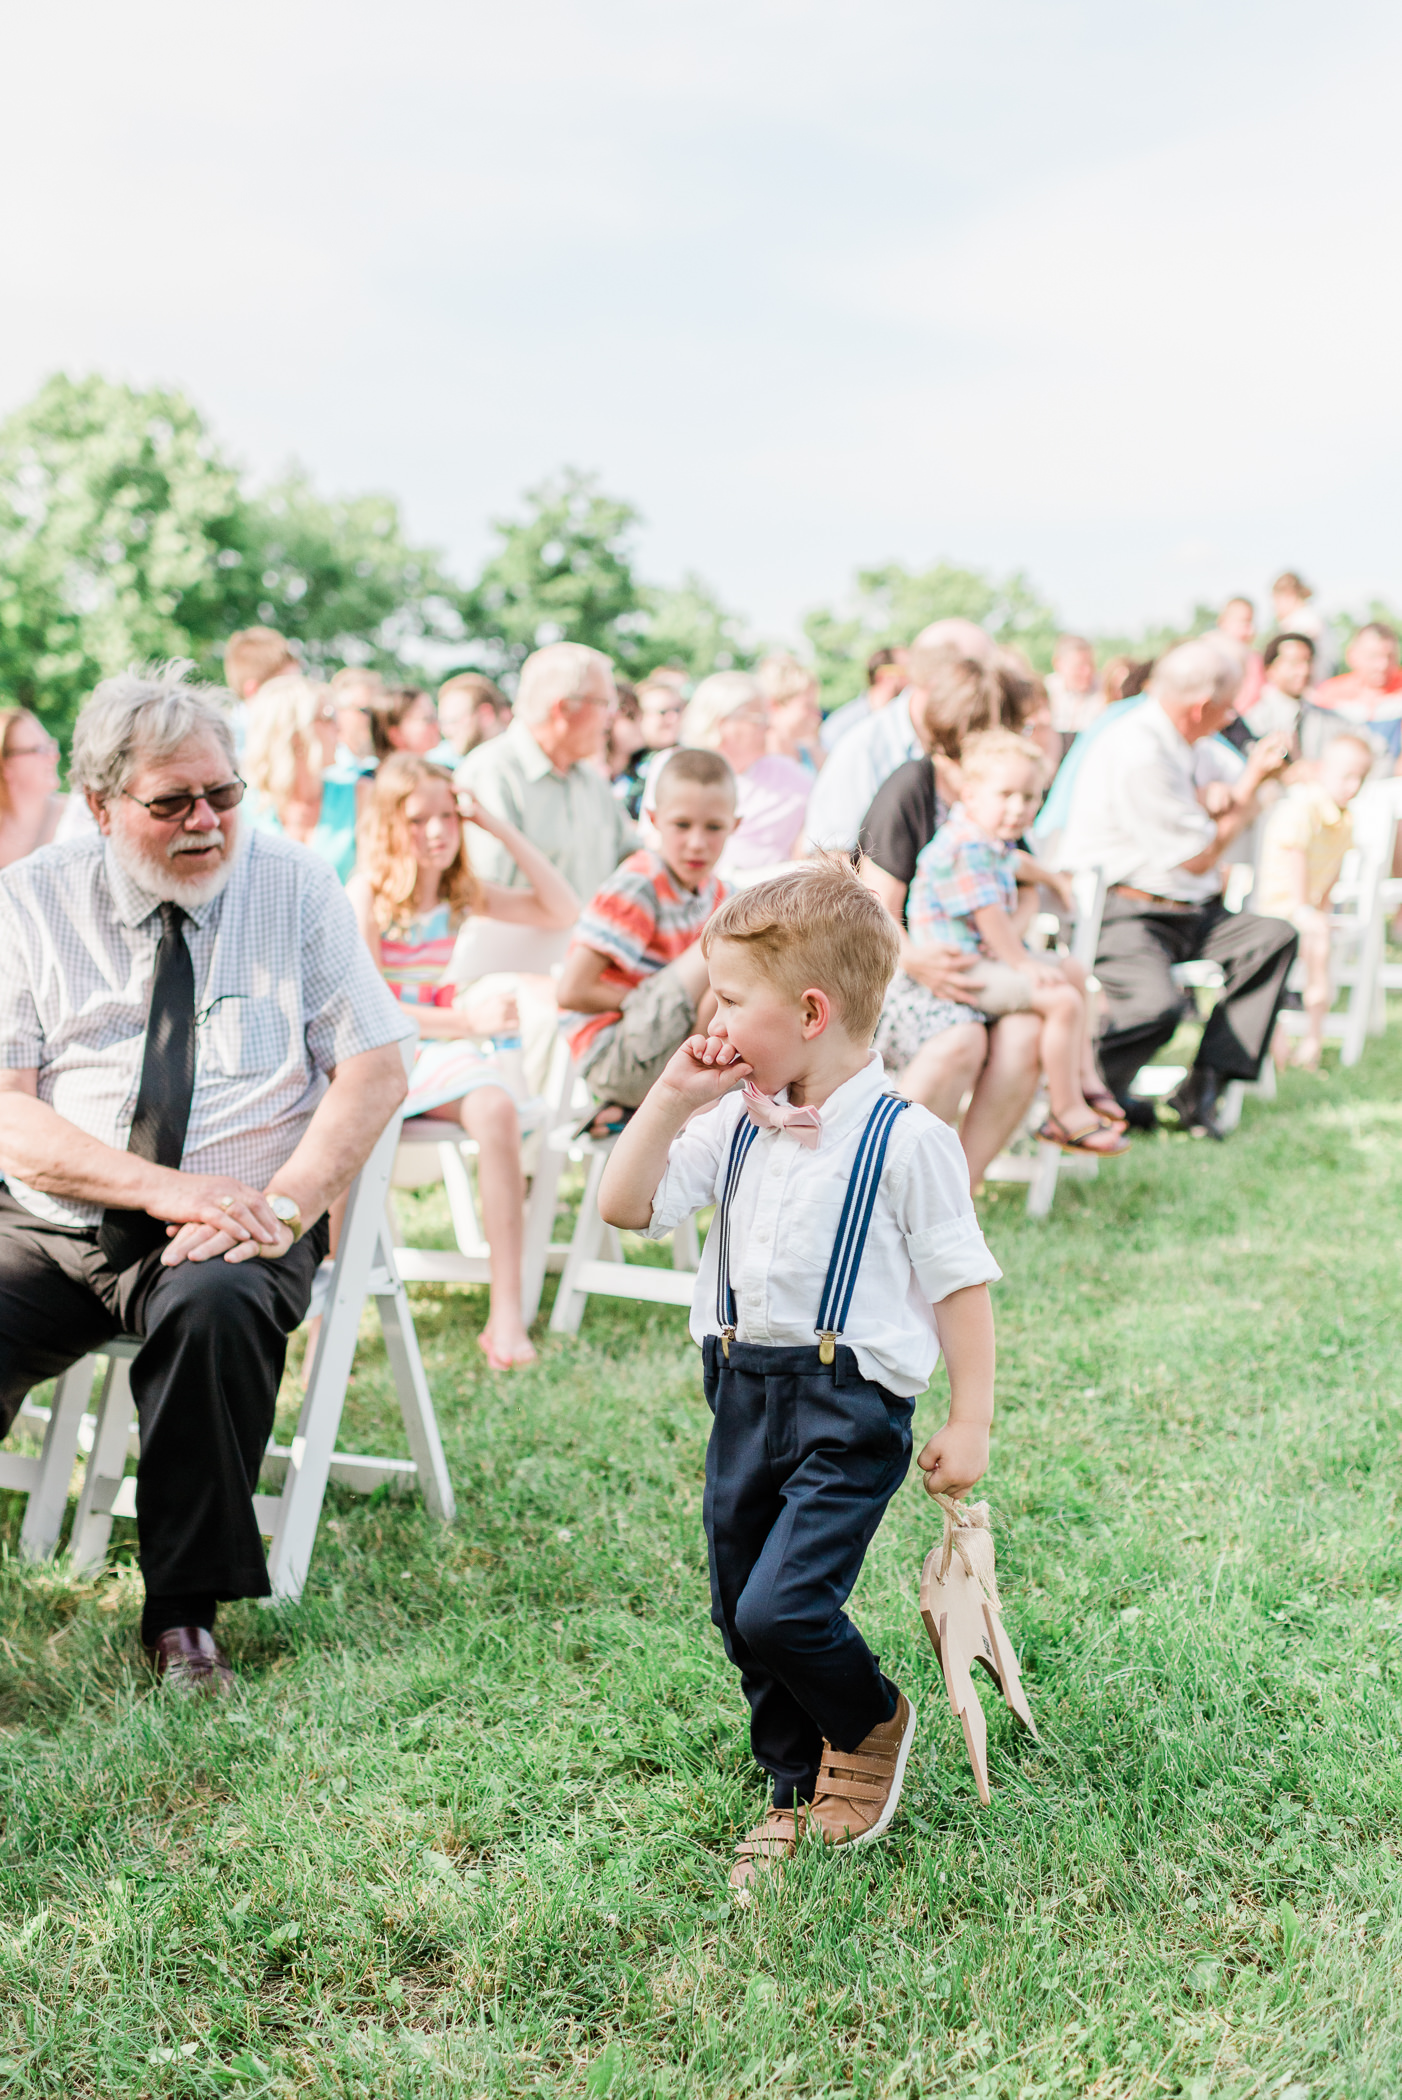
(205, 1384)
(1139, 944)
(803, 1459)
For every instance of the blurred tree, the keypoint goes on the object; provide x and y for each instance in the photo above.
(334, 575)
(124, 535)
(893, 603)
(564, 573)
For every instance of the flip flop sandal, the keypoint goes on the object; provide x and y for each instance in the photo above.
(1102, 1139)
(1106, 1106)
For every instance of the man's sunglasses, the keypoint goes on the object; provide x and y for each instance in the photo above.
(171, 809)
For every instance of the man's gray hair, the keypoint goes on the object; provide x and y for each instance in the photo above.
(1209, 664)
(147, 713)
(560, 671)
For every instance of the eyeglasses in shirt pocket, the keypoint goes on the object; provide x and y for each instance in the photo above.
(239, 1037)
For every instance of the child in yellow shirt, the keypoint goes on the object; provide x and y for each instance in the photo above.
(1307, 835)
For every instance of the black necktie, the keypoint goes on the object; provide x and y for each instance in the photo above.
(167, 1085)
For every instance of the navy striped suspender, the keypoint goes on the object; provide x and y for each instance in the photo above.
(854, 1224)
(852, 1229)
(745, 1134)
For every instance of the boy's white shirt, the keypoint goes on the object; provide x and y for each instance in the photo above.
(923, 1244)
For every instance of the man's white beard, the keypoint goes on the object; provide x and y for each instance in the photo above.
(163, 879)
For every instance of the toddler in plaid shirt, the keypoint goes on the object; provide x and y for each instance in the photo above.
(964, 893)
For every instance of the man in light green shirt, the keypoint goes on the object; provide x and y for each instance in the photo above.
(537, 774)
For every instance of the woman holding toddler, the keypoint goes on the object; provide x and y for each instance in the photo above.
(964, 894)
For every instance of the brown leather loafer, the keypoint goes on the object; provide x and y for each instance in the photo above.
(189, 1659)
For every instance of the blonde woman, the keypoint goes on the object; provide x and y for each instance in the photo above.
(411, 892)
(287, 761)
(795, 718)
(729, 713)
(30, 804)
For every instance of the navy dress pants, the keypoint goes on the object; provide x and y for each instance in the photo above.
(803, 1459)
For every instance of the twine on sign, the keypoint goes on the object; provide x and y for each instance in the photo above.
(961, 1520)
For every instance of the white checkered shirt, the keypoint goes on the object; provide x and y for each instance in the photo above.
(285, 990)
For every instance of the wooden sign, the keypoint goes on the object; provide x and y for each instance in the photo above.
(963, 1617)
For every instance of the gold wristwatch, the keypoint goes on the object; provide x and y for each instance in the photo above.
(286, 1213)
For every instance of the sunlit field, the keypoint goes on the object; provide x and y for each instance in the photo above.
(466, 1827)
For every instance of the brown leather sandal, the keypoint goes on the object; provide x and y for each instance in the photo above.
(764, 1849)
(1100, 1137)
(1106, 1106)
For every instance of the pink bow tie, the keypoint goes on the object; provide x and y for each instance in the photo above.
(765, 1113)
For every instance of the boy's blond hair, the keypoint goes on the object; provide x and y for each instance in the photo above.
(816, 925)
(984, 750)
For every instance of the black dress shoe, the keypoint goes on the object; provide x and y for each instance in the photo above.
(189, 1659)
(1194, 1102)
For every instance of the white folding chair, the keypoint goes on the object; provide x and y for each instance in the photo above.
(363, 1267)
(595, 1265)
(1045, 1163)
(431, 1150)
(46, 1479)
(1359, 933)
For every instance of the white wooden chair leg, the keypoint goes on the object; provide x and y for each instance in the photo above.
(1041, 1190)
(48, 1498)
(298, 1508)
(1360, 1002)
(467, 1225)
(102, 1481)
(541, 1206)
(415, 1402)
(584, 1247)
(1229, 1105)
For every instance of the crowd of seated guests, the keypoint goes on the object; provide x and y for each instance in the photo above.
(600, 824)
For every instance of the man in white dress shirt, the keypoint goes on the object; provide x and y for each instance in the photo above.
(1138, 813)
(196, 1057)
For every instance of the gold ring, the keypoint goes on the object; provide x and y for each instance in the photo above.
(226, 1202)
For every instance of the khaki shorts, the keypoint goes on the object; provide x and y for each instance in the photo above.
(625, 1058)
(1000, 989)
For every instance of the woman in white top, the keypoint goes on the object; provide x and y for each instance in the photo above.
(30, 804)
(729, 713)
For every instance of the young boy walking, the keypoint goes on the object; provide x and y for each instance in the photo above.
(634, 980)
(843, 1258)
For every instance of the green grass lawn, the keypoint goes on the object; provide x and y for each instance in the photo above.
(466, 1830)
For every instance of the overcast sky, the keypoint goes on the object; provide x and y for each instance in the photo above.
(1105, 292)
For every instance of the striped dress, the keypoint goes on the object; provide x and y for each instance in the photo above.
(415, 960)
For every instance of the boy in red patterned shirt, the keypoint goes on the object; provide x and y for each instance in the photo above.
(635, 980)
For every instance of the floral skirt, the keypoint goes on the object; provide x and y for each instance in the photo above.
(444, 1072)
(911, 1016)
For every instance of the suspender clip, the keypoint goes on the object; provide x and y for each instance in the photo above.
(827, 1347)
(726, 1336)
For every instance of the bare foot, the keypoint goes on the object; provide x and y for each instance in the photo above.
(1307, 1057)
(506, 1344)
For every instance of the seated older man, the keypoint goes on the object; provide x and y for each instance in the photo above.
(196, 1057)
(1138, 813)
(538, 776)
